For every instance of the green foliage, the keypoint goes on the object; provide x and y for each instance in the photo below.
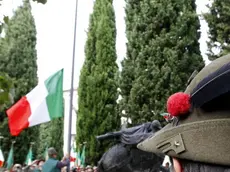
(18, 60)
(97, 92)
(162, 52)
(5, 90)
(41, 1)
(218, 20)
(51, 135)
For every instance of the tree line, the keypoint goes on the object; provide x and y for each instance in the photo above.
(162, 52)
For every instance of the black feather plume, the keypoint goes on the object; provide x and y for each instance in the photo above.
(212, 86)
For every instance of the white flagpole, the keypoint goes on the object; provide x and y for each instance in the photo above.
(72, 83)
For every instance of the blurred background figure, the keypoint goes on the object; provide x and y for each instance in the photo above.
(94, 169)
(74, 169)
(167, 165)
(64, 169)
(17, 168)
(40, 164)
(89, 168)
(52, 164)
(82, 169)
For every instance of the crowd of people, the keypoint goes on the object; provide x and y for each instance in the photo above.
(84, 169)
(36, 166)
(50, 165)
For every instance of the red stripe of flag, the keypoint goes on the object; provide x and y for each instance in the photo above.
(18, 116)
(1, 163)
(72, 159)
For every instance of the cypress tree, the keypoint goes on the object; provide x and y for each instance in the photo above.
(166, 54)
(97, 92)
(20, 64)
(218, 20)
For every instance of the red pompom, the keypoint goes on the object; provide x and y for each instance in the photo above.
(178, 104)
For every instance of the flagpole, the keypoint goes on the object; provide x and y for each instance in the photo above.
(1, 138)
(72, 80)
(31, 144)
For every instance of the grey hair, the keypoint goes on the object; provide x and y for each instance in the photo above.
(190, 166)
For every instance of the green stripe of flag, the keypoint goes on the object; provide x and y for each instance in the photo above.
(54, 100)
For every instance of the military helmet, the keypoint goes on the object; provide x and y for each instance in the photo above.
(199, 119)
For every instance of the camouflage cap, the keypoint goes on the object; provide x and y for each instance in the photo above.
(202, 133)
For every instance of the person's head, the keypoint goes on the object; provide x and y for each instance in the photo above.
(95, 169)
(167, 164)
(52, 153)
(33, 167)
(17, 168)
(74, 169)
(64, 169)
(197, 136)
(89, 168)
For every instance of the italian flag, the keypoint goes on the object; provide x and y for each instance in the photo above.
(72, 154)
(42, 104)
(83, 156)
(1, 158)
(78, 159)
(29, 157)
(10, 159)
(46, 156)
